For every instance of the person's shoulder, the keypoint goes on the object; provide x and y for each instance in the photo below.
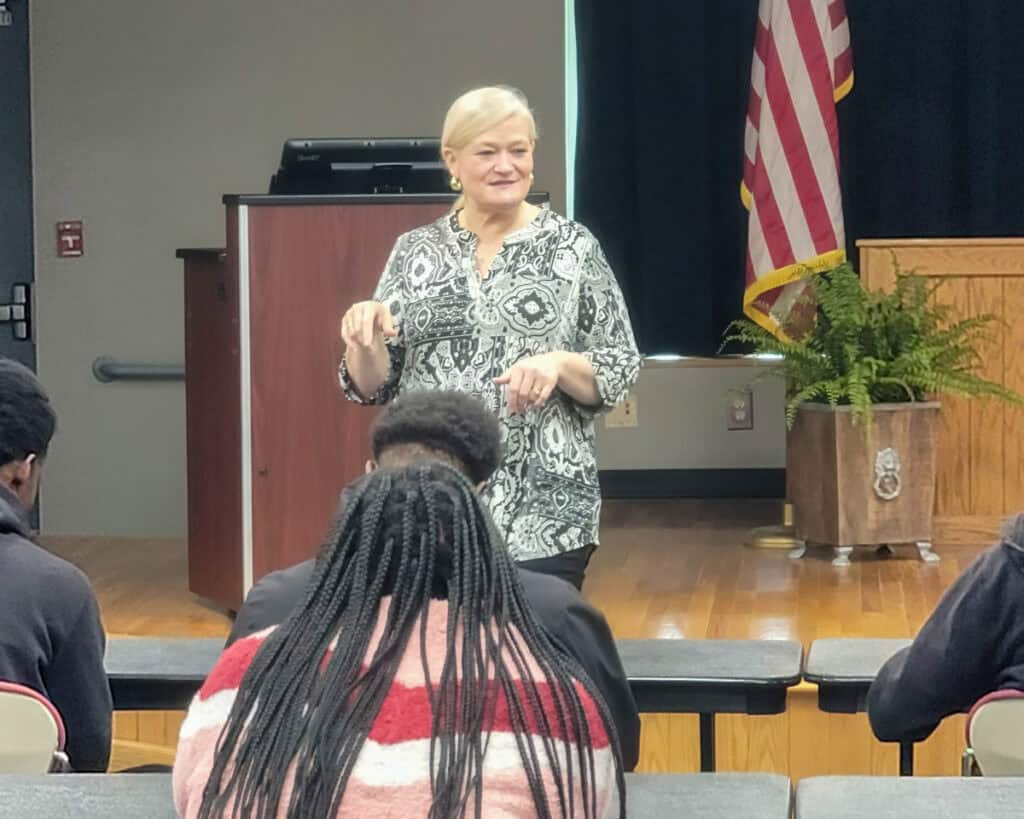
(31, 566)
(428, 239)
(567, 228)
(546, 587)
(552, 598)
(994, 578)
(273, 595)
(1006, 556)
(271, 599)
(290, 577)
(229, 670)
(1005, 559)
(576, 239)
(39, 586)
(432, 232)
(1011, 545)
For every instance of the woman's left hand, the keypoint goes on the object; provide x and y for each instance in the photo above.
(530, 382)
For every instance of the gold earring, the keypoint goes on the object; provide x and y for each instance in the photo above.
(455, 184)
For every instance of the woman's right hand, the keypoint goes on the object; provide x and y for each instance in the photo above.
(365, 325)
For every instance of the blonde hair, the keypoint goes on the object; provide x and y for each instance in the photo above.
(479, 110)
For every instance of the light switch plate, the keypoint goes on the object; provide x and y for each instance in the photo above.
(740, 410)
(624, 415)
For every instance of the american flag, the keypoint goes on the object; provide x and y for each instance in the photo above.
(802, 67)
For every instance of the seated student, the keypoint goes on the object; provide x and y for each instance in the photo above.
(458, 429)
(412, 679)
(51, 638)
(972, 644)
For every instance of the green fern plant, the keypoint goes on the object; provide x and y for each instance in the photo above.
(872, 347)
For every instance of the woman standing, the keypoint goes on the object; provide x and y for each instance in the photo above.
(518, 306)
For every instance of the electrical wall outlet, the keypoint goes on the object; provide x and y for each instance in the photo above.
(624, 415)
(740, 413)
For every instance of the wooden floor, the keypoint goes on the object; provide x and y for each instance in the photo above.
(665, 569)
(680, 569)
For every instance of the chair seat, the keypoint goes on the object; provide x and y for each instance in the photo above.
(31, 730)
(995, 733)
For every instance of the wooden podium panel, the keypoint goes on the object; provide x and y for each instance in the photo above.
(980, 475)
(271, 438)
(213, 426)
(308, 264)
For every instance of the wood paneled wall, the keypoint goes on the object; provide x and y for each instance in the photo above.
(801, 742)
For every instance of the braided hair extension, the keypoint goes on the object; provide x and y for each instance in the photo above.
(314, 689)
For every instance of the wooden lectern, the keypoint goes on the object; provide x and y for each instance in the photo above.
(271, 438)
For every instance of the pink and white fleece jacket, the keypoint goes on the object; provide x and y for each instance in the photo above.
(391, 776)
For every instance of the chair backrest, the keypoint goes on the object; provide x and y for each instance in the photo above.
(31, 730)
(995, 733)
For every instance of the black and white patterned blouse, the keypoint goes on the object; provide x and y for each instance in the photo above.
(549, 288)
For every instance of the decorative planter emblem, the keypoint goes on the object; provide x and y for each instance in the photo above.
(887, 474)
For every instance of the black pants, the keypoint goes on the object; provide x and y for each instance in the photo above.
(570, 566)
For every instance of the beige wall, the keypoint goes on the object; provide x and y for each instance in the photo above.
(683, 424)
(145, 112)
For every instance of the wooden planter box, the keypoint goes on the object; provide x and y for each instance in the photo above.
(852, 489)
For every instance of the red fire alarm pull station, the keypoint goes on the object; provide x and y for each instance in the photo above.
(70, 238)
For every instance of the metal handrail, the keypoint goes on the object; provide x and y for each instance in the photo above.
(107, 369)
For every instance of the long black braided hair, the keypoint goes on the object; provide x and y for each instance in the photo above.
(417, 533)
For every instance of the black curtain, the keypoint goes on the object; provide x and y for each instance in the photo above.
(932, 141)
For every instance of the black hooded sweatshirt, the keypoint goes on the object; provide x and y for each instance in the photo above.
(51, 637)
(972, 644)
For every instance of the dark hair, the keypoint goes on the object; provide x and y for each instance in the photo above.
(407, 531)
(27, 420)
(453, 423)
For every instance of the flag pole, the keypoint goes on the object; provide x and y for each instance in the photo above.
(776, 537)
(790, 184)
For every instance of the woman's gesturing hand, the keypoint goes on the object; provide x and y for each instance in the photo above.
(365, 325)
(530, 382)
